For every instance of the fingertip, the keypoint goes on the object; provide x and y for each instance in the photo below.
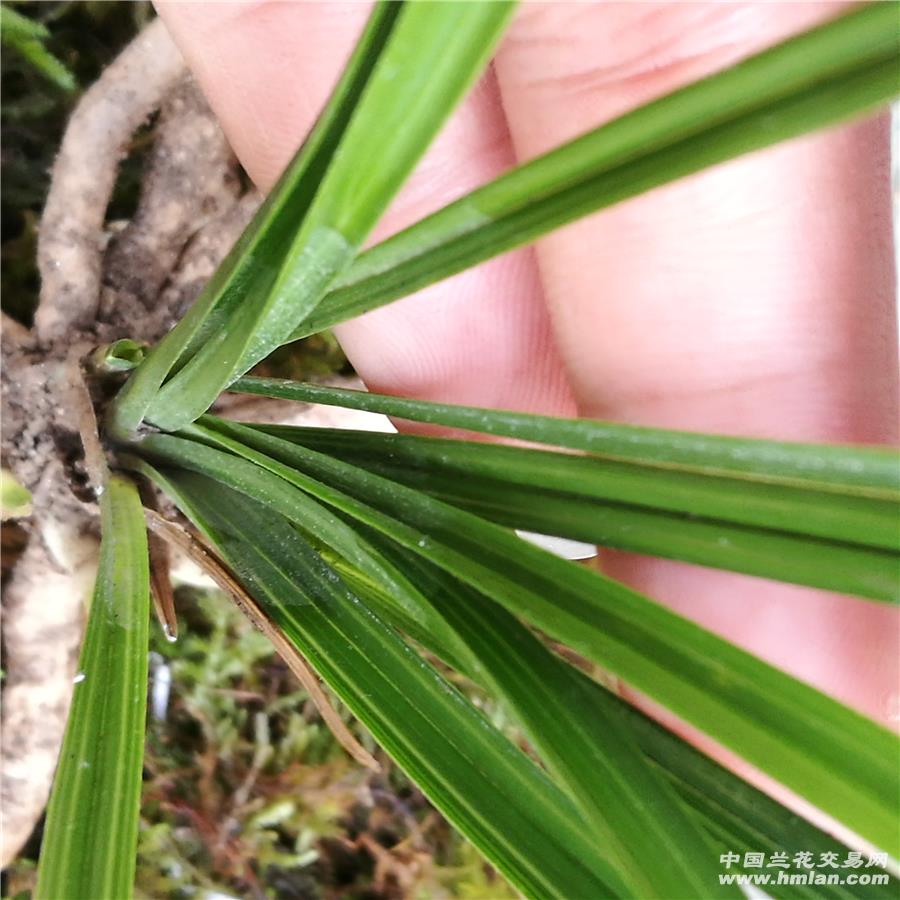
(266, 68)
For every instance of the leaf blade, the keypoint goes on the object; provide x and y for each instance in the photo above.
(627, 806)
(836, 541)
(795, 733)
(252, 263)
(810, 81)
(737, 816)
(868, 471)
(92, 820)
(437, 50)
(413, 713)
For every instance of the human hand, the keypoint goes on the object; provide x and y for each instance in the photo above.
(755, 299)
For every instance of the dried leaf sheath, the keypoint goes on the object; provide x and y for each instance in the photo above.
(202, 554)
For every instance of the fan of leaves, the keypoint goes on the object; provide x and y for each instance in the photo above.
(358, 550)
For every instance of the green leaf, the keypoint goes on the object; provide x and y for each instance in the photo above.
(263, 250)
(16, 27)
(829, 754)
(489, 789)
(581, 737)
(741, 818)
(864, 471)
(812, 81)
(27, 36)
(15, 498)
(92, 820)
(736, 816)
(832, 515)
(322, 528)
(840, 542)
(584, 737)
(432, 55)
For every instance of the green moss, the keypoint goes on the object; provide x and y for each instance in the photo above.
(248, 793)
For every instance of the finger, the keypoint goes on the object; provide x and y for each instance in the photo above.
(754, 299)
(481, 337)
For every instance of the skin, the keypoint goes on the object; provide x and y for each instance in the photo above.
(756, 299)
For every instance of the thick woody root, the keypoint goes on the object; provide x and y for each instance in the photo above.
(70, 243)
(200, 258)
(190, 182)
